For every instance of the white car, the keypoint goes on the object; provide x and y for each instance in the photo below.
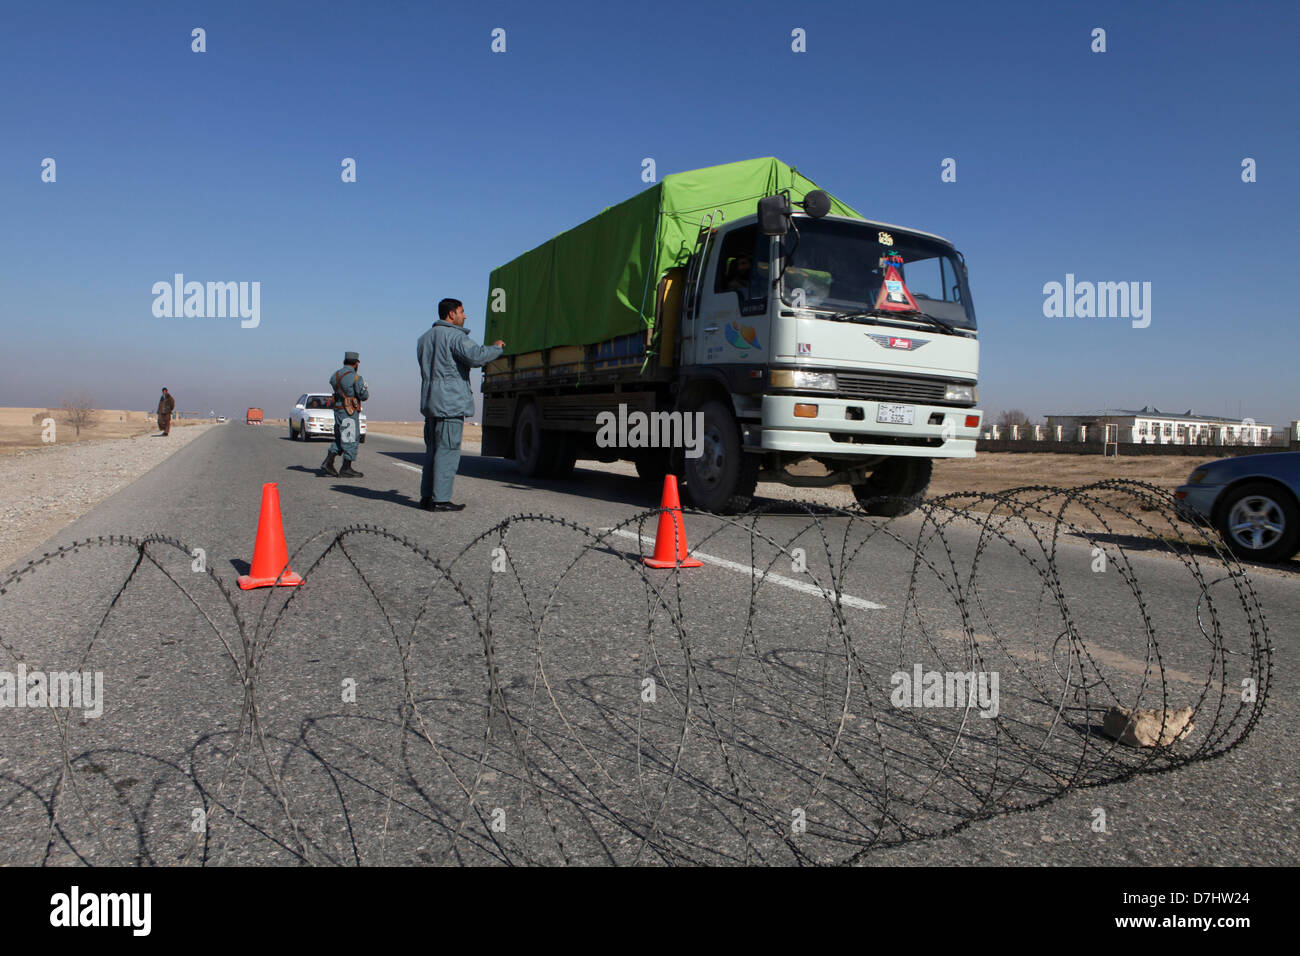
(313, 417)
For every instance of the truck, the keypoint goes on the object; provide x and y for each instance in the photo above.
(736, 324)
(254, 417)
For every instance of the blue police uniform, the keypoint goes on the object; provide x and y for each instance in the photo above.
(347, 428)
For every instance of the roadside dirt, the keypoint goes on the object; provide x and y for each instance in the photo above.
(23, 428)
(50, 486)
(473, 433)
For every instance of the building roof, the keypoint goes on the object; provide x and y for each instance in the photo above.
(1150, 411)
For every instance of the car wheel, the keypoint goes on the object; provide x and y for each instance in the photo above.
(723, 478)
(1259, 521)
(889, 488)
(362, 439)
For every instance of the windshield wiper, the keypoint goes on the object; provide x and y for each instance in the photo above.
(851, 316)
(887, 314)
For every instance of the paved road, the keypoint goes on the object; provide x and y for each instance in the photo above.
(767, 736)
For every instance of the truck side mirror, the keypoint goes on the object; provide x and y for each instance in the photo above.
(774, 215)
(816, 204)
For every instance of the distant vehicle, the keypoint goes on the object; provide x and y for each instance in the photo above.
(313, 416)
(1253, 501)
(221, 418)
(254, 417)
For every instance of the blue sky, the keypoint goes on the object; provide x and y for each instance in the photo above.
(225, 165)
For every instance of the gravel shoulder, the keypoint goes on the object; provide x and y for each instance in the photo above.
(46, 489)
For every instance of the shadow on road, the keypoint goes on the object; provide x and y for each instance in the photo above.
(1136, 543)
(392, 495)
(586, 483)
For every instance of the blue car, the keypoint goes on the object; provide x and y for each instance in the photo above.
(1253, 500)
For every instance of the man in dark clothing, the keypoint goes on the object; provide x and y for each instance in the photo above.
(166, 405)
(346, 383)
(446, 355)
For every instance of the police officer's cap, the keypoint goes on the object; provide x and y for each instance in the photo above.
(350, 357)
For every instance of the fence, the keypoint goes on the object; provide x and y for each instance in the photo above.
(542, 697)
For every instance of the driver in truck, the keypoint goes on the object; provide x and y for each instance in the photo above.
(741, 268)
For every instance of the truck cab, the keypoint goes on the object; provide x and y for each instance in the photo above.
(789, 326)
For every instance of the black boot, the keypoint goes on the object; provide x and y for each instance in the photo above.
(347, 471)
(327, 465)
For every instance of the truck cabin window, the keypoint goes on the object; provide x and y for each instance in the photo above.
(744, 265)
(835, 266)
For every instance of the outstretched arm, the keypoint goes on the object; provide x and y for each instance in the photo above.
(473, 355)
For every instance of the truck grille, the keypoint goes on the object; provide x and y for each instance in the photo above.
(888, 388)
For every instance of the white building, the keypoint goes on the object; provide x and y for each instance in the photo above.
(1151, 426)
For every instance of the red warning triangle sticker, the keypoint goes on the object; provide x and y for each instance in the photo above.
(894, 296)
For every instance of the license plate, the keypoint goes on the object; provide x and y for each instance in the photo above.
(895, 414)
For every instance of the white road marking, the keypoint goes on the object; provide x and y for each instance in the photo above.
(402, 464)
(804, 587)
(847, 600)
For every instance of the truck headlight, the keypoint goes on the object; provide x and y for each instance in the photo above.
(967, 394)
(798, 378)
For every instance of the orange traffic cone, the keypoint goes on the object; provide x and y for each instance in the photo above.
(672, 532)
(270, 555)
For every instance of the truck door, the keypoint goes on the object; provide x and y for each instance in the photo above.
(731, 321)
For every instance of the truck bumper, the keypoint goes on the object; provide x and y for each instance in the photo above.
(848, 428)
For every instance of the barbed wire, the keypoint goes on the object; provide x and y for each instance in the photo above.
(542, 697)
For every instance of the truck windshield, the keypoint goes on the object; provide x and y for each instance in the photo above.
(834, 266)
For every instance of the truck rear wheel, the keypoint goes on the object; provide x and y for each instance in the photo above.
(528, 441)
(902, 478)
(652, 465)
(540, 453)
(723, 478)
(559, 456)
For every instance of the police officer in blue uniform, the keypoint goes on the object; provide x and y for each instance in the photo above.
(346, 384)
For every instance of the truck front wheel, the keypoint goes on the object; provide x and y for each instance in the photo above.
(723, 478)
(898, 479)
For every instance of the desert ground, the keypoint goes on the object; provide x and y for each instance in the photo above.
(22, 428)
(473, 433)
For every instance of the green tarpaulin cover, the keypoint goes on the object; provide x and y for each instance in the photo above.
(598, 280)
